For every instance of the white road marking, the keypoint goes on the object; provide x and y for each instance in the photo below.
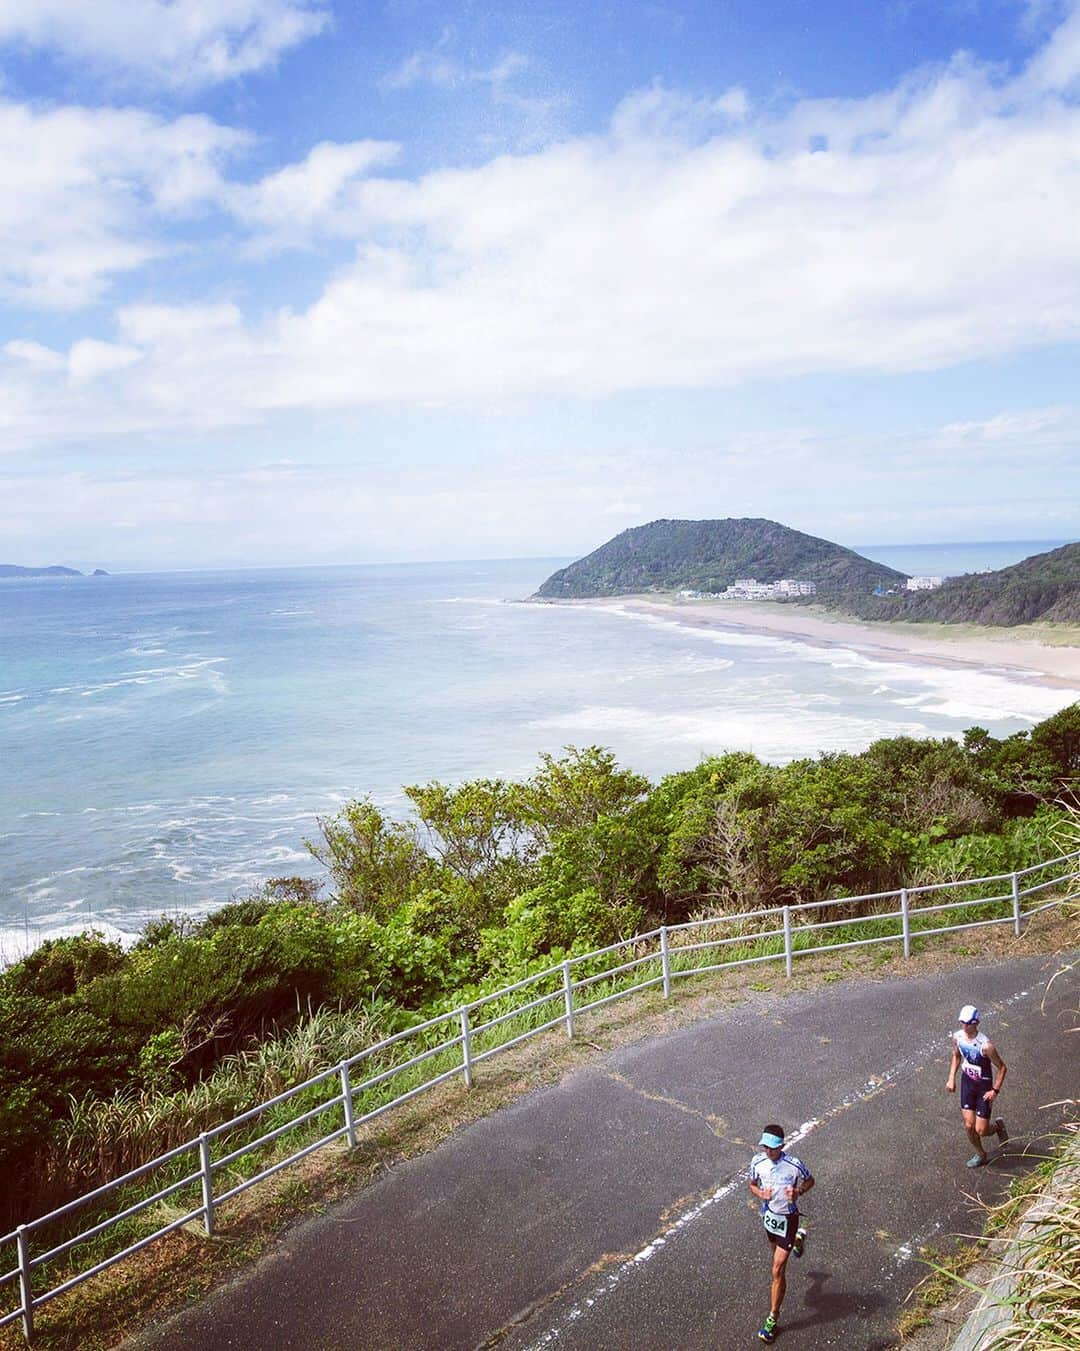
(874, 1085)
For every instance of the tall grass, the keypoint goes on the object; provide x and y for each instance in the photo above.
(1044, 1301)
(105, 1138)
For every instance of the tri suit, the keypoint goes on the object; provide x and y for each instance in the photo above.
(976, 1073)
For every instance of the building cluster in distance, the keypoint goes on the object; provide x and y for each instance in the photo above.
(749, 588)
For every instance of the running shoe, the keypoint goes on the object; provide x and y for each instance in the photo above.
(767, 1332)
(977, 1160)
(1002, 1133)
(799, 1245)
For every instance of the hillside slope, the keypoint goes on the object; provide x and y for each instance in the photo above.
(1044, 588)
(710, 555)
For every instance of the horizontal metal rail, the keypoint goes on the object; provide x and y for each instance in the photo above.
(129, 1213)
(515, 1041)
(619, 994)
(477, 1028)
(786, 943)
(615, 971)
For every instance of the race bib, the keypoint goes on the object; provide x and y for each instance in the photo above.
(973, 1071)
(775, 1224)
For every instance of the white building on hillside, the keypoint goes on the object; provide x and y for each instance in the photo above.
(923, 583)
(749, 588)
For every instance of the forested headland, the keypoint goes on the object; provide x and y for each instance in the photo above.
(708, 556)
(110, 1056)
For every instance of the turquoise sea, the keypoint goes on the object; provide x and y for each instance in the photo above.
(168, 740)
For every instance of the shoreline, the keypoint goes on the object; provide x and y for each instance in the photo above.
(1056, 666)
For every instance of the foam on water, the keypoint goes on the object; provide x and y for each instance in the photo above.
(772, 736)
(137, 777)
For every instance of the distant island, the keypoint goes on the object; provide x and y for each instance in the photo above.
(757, 559)
(15, 570)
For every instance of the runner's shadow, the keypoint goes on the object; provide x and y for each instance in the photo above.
(830, 1306)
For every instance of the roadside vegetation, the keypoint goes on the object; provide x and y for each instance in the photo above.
(1034, 1278)
(110, 1057)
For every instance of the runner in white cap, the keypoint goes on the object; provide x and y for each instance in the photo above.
(980, 1083)
(778, 1179)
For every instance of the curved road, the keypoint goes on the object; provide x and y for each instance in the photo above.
(610, 1212)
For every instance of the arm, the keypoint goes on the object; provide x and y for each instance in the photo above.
(1000, 1070)
(756, 1189)
(801, 1188)
(954, 1065)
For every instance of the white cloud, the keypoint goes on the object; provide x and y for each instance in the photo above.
(89, 359)
(177, 43)
(1016, 429)
(315, 196)
(311, 513)
(397, 504)
(86, 193)
(679, 249)
(36, 354)
(437, 66)
(1057, 65)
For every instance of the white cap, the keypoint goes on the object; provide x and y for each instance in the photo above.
(968, 1014)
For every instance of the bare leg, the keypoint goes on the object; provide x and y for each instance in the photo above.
(779, 1278)
(976, 1128)
(983, 1128)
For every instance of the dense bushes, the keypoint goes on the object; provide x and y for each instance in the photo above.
(488, 881)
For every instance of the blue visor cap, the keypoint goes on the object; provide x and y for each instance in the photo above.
(772, 1141)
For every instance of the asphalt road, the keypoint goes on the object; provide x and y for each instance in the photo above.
(611, 1212)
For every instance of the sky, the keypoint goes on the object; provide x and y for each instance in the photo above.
(331, 281)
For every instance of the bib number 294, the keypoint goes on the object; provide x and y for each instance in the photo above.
(775, 1224)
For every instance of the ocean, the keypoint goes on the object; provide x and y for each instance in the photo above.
(167, 741)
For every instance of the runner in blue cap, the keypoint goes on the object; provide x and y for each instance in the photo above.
(778, 1179)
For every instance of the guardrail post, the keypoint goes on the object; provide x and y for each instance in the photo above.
(207, 1184)
(905, 920)
(347, 1103)
(466, 1046)
(665, 960)
(22, 1242)
(1016, 903)
(787, 940)
(568, 999)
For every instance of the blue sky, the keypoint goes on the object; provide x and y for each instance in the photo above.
(308, 281)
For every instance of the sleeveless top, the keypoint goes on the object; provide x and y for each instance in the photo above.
(975, 1063)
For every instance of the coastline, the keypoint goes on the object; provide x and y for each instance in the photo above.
(1056, 665)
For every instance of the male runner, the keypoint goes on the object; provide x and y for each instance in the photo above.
(980, 1083)
(778, 1180)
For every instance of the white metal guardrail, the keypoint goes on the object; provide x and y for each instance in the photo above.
(463, 1038)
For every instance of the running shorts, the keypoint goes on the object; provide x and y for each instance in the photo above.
(972, 1097)
(786, 1239)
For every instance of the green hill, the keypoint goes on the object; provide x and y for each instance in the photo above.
(1043, 588)
(710, 555)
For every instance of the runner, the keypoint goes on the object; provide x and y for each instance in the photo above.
(980, 1084)
(778, 1180)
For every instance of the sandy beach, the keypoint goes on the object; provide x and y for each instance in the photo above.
(1054, 663)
